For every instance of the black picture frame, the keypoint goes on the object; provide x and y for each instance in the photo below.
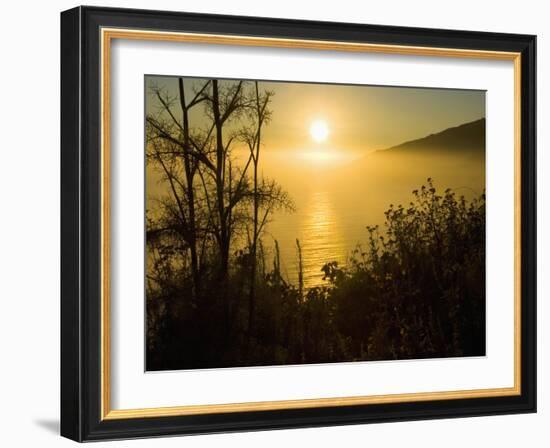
(81, 381)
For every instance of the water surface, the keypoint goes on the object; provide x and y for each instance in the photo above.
(336, 199)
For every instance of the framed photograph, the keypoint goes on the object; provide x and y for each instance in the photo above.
(275, 224)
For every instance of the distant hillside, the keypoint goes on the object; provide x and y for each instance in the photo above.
(466, 137)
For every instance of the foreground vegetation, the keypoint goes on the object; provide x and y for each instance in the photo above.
(416, 290)
(216, 298)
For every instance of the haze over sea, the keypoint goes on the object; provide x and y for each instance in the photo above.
(336, 197)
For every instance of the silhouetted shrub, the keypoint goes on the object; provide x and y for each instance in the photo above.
(415, 290)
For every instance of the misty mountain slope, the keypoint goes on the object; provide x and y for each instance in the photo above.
(469, 137)
(454, 158)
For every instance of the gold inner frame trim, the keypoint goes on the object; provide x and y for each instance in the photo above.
(107, 35)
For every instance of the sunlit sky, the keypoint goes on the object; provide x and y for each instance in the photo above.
(351, 117)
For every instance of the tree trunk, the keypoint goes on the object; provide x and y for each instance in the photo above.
(189, 175)
(223, 242)
(253, 250)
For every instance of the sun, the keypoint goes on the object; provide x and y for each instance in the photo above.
(319, 131)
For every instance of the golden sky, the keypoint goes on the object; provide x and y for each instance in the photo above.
(358, 118)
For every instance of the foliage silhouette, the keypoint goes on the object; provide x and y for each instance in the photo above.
(417, 290)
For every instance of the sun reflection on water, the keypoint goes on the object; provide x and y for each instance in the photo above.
(321, 238)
